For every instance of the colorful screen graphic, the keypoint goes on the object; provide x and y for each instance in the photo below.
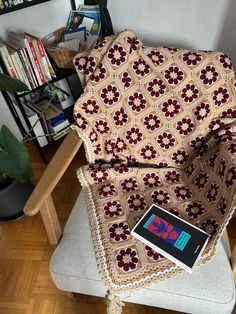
(167, 232)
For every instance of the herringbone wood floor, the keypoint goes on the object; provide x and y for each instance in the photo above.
(25, 283)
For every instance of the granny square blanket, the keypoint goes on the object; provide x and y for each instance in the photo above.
(158, 125)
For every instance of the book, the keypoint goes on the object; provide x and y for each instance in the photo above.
(14, 57)
(52, 114)
(58, 127)
(174, 238)
(22, 42)
(6, 58)
(41, 55)
(62, 133)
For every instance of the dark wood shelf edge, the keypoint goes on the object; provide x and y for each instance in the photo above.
(21, 6)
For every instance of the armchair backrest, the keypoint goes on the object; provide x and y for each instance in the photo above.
(161, 106)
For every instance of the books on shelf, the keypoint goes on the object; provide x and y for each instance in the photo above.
(26, 59)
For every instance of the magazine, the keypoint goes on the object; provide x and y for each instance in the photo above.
(174, 238)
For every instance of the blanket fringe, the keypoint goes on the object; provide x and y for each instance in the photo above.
(114, 304)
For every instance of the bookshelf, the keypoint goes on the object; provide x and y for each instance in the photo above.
(12, 100)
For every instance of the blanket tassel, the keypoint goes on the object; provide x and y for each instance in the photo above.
(114, 304)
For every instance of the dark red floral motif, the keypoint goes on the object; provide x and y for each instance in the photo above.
(148, 152)
(90, 106)
(119, 231)
(141, 68)
(199, 145)
(80, 63)
(99, 74)
(166, 140)
(174, 75)
(134, 43)
(102, 126)
(231, 176)
(160, 197)
(127, 259)
(137, 102)
(152, 122)
(107, 190)
(215, 124)
(90, 66)
(100, 43)
(174, 212)
(151, 180)
(170, 108)
(201, 180)
(120, 117)
(189, 93)
(110, 95)
(226, 62)
(153, 254)
(156, 88)
(156, 56)
(192, 58)
(232, 148)
(97, 149)
(129, 185)
(183, 192)
(209, 75)
(120, 145)
(190, 169)
(185, 126)
(113, 209)
(223, 206)
(229, 113)
(134, 136)
(221, 96)
(126, 79)
(172, 176)
(136, 202)
(212, 160)
(93, 136)
(81, 122)
(209, 225)
(222, 167)
(117, 55)
(202, 111)
(109, 147)
(121, 169)
(172, 49)
(99, 175)
(180, 157)
(213, 192)
(195, 209)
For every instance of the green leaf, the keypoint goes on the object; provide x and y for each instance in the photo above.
(14, 158)
(9, 84)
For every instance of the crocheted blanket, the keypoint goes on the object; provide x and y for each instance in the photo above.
(158, 125)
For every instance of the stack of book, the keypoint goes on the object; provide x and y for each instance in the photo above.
(26, 59)
(9, 3)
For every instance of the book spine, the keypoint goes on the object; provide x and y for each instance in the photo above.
(28, 65)
(36, 61)
(24, 76)
(44, 58)
(17, 68)
(8, 62)
(22, 59)
(32, 62)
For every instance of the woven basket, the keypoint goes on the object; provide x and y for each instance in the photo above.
(62, 57)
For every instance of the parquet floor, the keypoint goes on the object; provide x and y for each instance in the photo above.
(25, 283)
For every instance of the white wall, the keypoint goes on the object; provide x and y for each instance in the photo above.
(193, 24)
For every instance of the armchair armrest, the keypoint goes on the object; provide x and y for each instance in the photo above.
(41, 199)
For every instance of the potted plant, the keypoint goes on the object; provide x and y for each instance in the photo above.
(15, 167)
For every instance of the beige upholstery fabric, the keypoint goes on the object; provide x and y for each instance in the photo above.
(162, 123)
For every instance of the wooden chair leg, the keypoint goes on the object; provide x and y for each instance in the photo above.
(51, 222)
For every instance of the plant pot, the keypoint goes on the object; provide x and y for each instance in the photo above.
(13, 198)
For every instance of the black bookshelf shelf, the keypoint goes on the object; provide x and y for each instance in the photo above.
(20, 6)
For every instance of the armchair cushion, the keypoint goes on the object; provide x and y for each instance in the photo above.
(73, 267)
(160, 124)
